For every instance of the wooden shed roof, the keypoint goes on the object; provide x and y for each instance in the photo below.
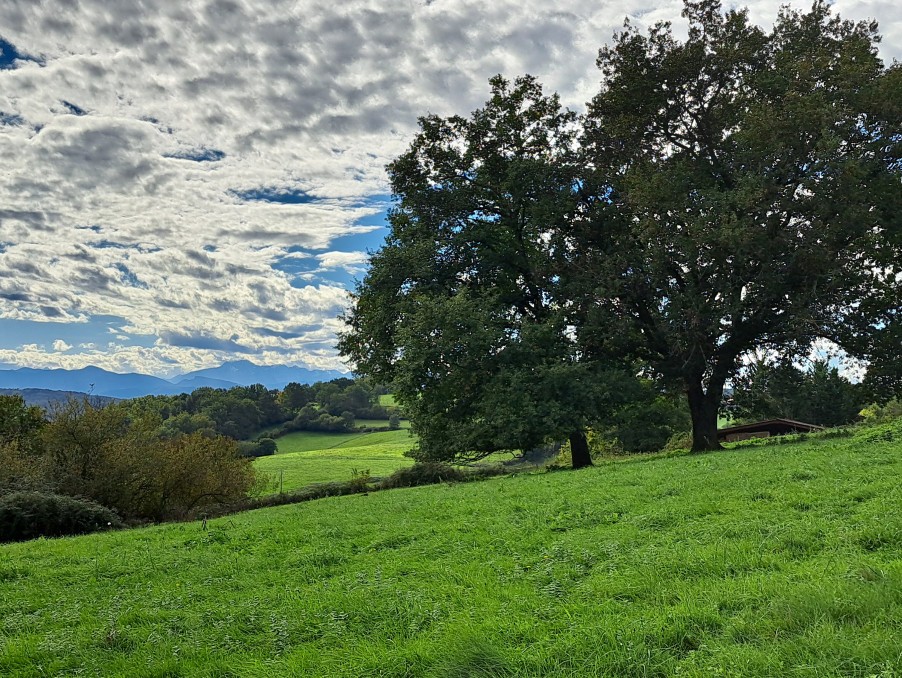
(772, 425)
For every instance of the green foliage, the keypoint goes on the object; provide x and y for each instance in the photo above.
(886, 412)
(21, 450)
(263, 447)
(734, 191)
(424, 473)
(750, 183)
(394, 422)
(294, 396)
(461, 310)
(110, 455)
(19, 423)
(647, 424)
(819, 395)
(27, 515)
(762, 561)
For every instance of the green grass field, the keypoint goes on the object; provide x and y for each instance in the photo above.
(308, 457)
(780, 560)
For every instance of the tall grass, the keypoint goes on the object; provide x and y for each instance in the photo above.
(769, 560)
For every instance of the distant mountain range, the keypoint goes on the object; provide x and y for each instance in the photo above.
(46, 398)
(97, 381)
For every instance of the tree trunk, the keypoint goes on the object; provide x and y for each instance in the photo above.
(579, 450)
(703, 408)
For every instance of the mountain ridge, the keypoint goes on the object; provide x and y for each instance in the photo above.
(98, 381)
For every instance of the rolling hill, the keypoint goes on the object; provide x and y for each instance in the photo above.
(763, 560)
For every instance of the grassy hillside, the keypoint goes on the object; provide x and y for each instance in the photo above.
(781, 560)
(308, 457)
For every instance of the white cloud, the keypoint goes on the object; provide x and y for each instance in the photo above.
(349, 261)
(107, 214)
(60, 345)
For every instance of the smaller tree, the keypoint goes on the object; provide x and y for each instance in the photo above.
(461, 309)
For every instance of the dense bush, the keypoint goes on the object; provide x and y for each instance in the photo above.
(262, 447)
(118, 460)
(433, 472)
(889, 411)
(27, 515)
(422, 473)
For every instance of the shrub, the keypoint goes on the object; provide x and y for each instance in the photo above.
(267, 446)
(422, 473)
(679, 441)
(27, 515)
(263, 447)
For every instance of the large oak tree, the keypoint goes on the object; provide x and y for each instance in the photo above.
(747, 193)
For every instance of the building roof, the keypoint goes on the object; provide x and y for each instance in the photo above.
(785, 425)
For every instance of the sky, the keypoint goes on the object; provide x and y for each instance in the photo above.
(186, 183)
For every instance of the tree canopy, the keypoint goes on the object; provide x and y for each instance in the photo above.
(747, 194)
(739, 190)
(461, 309)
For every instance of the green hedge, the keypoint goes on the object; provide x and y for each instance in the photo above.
(27, 515)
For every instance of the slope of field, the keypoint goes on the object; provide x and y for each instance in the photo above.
(781, 560)
(309, 457)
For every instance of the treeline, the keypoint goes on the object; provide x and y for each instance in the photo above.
(243, 412)
(86, 464)
(64, 473)
(817, 395)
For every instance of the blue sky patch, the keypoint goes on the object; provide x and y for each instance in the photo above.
(72, 108)
(295, 197)
(128, 276)
(199, 155)
(12, 119)
(99, 330)
(9, 55)
(370, 240)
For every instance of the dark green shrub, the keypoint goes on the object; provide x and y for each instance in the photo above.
(27, 515)
(423, 473)
(263, 447)
(267, 446)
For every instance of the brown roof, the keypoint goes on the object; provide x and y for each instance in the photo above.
(768, 424)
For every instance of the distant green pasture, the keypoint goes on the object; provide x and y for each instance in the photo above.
(305, 457)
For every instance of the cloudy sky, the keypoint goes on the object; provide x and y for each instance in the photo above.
(183, 183)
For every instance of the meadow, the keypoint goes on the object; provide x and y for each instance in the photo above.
(308, 457)
(763, 560)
